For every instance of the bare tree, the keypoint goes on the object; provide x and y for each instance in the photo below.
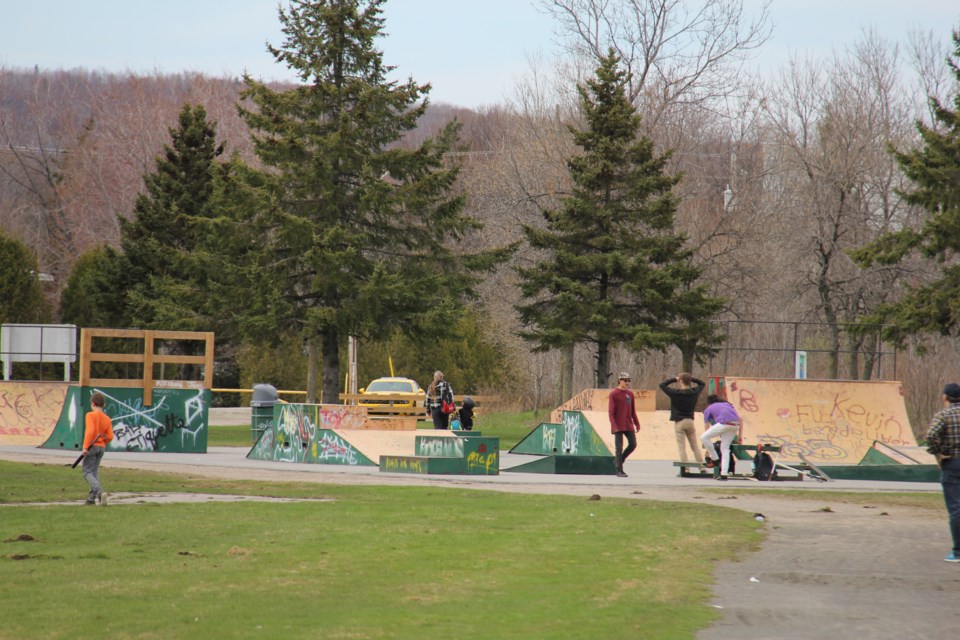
(928, 55)
(829, 126)
(35, 140)
(677, 52)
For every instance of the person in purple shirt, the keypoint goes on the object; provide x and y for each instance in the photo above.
(722, 421)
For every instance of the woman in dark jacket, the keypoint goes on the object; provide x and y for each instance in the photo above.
(439, 392)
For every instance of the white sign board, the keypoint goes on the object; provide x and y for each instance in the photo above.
(800, 365)
(38, 343)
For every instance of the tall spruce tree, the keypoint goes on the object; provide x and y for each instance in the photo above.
(934, 168)
(614, 270)
(163, 242)
(357, 242)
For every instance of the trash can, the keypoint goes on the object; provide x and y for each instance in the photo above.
(261, 409)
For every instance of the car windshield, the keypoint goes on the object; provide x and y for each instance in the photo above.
(390, 386)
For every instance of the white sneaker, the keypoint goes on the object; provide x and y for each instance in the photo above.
(102, 498)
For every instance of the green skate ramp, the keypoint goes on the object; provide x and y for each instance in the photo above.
(883, 472)
(332, 434)
(177, 421)
(312, 434)
(574, 465)
(441, 454)
(886, 462)
(575, 436)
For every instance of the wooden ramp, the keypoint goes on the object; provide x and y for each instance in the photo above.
(656, 439)
(29, 411)
(811, 421)
(825, 421)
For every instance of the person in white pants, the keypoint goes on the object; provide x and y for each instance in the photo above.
(722, 421)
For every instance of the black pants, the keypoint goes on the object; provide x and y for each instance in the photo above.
(441, 420)
(623, 454)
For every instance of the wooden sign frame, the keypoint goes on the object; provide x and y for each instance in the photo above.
(148, 358)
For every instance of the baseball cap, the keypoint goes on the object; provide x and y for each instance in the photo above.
(626, 376)
(952, 390)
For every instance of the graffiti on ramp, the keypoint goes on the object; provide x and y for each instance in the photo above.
(823, 420)
(29, 411)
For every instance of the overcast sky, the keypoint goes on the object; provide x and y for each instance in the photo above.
(471, 51)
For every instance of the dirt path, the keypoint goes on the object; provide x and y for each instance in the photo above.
(826, 569)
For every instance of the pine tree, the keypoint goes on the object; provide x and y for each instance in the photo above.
(358, 240)
(165, 272)
(90, 298)
(934, 168)
(614, 271)
(21, 296)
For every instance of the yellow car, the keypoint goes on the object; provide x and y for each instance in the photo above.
(391, 387)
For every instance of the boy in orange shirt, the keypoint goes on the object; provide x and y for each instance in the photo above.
(97, 435)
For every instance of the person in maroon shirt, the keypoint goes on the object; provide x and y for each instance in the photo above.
(623, 420)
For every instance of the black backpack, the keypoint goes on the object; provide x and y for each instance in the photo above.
(763, 468)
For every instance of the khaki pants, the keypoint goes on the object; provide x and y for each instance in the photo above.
(686, 432)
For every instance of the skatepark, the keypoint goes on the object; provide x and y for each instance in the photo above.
(844, 570)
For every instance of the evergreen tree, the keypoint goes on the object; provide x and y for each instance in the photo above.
(357, 240)
(21, 296)
(934, 168)
(165, 244)
(614, 271)
(90, 298)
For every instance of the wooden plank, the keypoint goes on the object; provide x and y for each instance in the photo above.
(115, 333)
(102, 356)
(113, 382)
(410, 412)
(397, 397)
(86, 340)
(177, 359)
(208, 365)
(148, 356)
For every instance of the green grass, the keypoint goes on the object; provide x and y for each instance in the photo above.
(230, 436)
(375, 562)
(509, 427)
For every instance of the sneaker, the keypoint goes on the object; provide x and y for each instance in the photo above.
(87, 503)
(722, 478)
(621, 474)
(951, 557)
(102, 499)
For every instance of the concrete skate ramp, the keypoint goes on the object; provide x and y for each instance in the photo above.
(331, 434)
(827, 421)
(656, 439)
(29, 410)
(587, 433)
